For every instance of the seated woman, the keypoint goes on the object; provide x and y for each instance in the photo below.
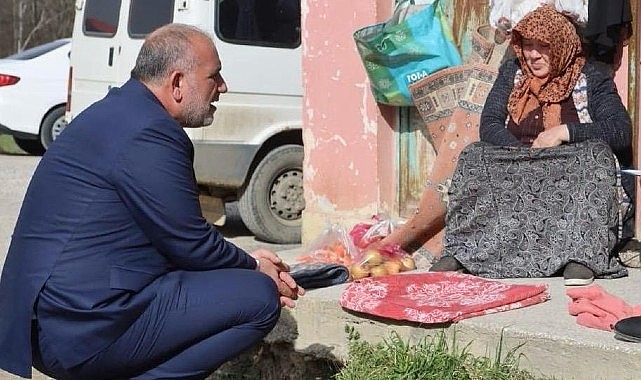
(547, 96)
(422, 234)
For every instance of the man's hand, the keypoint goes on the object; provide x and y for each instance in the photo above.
(552, 137)
(292, 287)
(274, 267)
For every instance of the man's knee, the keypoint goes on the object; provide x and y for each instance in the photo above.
(252, 296)
(267, 310)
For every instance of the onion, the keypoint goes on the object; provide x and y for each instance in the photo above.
(378, 271)
(358, 271)
(372, 258)
(393, 266)
(408, 263)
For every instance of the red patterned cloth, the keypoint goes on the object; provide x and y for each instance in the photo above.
(437, 297)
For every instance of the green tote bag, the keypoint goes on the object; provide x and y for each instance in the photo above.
(415, 42)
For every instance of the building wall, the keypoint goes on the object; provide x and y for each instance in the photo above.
(349, 139)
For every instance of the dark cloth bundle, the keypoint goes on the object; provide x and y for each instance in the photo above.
(319, 275)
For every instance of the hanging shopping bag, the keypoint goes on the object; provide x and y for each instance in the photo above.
(415, 42)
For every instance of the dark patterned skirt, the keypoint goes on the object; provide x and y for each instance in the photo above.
(523, 212)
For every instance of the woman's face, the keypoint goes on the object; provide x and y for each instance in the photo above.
(537, 57)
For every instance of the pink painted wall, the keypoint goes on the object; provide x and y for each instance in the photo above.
(621, 77)
(349, 143)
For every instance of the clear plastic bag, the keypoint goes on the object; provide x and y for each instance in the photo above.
(387, 260)
(333, 245)
(382, 260)
(364, 234)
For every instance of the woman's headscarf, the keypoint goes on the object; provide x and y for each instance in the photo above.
(547, 25)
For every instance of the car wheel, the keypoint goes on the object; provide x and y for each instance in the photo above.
(52, 126)
(32, 147)
(272, 203)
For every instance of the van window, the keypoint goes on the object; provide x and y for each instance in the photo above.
(147, 15)
(259, 22)
(101, 17)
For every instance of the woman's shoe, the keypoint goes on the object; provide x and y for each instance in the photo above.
(628, 329)
(446, 264)
(576, 274)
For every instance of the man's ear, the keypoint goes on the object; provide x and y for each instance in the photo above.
(176, 80)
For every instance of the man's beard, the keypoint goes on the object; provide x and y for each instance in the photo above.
(197, 113)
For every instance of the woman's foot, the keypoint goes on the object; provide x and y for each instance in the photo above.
(576, 274)
(446, 264)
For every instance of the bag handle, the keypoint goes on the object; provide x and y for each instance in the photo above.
(415, 2)
(402, 9)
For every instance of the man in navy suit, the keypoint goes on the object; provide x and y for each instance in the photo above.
(112, 271)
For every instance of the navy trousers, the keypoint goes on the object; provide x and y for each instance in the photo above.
(197, 321)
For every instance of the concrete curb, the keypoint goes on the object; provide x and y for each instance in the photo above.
(553, 344)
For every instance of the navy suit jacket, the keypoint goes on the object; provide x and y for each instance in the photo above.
(112, 206)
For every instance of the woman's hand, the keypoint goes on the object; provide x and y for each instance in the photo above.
(552, 137)
(277, 269)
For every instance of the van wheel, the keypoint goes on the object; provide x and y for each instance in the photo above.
(272, 203)
(52, 126)
(32, 147)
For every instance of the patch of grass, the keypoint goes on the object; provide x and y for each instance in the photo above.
(431, 358)
(8, 146)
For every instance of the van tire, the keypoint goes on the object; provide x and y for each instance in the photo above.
(32, 147)
(52, 126)
(272, 203)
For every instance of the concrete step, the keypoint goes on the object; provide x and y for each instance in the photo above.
(553, 343)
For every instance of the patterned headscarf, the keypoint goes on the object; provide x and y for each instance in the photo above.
(546, 25)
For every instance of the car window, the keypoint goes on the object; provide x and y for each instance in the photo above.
(101, 17)
(259, 22)
(147, 15)
(38, 50)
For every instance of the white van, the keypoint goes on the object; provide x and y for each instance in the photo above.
(253, 151)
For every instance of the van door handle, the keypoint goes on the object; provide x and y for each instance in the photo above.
(111, 56)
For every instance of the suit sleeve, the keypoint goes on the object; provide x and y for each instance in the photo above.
(155, 179)
(492, 125)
